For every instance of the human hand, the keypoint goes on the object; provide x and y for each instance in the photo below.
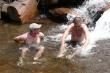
(62, 51)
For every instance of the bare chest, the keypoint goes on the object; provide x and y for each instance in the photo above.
(77, 31)
(33, 40)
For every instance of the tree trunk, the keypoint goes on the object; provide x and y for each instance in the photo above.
(22, 10)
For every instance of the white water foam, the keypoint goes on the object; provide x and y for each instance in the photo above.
(57, 33)
(101, 31)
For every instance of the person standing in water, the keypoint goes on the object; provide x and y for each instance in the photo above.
(31, 40)
(79, 36)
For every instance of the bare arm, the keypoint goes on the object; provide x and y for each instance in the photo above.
(65, 35)
(21, 39)
(41, 36)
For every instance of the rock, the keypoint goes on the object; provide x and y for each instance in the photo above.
(60, 11)
(60, 14)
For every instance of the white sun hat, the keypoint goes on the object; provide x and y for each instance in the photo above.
(34, 26)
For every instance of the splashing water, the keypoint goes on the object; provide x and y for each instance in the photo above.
(101, 31)
(56, 33)
(87, 10)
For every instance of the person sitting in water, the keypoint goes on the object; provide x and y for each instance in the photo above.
(79, 36)
(31, 40)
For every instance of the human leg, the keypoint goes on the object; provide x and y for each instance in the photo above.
(39, 52)
(23, 52)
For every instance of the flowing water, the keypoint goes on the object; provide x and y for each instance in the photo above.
(9, 53)
(85, 63)
(88, 11)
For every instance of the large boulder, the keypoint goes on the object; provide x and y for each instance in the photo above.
(59, 14)
(57, 10)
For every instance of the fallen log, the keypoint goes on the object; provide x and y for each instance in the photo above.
(21, 10)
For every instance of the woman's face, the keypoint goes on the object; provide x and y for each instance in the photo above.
(35, 30)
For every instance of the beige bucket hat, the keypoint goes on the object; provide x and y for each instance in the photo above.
(34, 26)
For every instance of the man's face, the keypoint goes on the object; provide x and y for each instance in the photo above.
(77, 24)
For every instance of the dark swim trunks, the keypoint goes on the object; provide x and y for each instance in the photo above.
(73, 43)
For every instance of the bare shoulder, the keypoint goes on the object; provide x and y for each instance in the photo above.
(84, 25)
(71, 25)
(85, 28)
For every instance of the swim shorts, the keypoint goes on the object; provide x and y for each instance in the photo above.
(30, 47)
(73, 43)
